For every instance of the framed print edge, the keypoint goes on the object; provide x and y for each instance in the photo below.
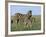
(6, 18)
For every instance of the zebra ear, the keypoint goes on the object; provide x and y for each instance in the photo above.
(11, 21)
(30, 11)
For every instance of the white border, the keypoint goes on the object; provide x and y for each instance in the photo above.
(24, 32)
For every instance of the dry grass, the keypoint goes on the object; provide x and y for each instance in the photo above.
(21, 27)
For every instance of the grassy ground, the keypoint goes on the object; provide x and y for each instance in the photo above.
(20, 27)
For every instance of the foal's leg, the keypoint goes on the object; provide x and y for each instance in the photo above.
(17, 21)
